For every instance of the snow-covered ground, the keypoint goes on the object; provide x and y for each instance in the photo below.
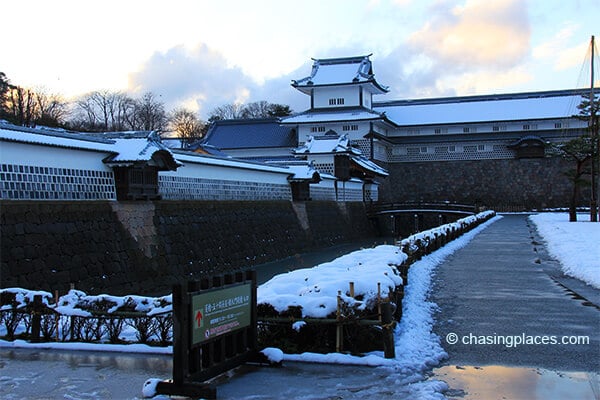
(576, 245)
(315, 289)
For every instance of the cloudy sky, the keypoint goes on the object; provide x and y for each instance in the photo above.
(203, 54)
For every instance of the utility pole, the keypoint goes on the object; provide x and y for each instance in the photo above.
(594, 142)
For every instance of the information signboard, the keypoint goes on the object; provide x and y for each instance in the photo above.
(220, 311)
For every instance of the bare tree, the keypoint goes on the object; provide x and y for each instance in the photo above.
(21, 106)
(257, 109)
(149, 113)
(52, 108)
(4, 87)
(186, 125)
(227, 111)
(254, 110)
(104, 110)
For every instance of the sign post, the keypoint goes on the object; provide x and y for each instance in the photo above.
(221, 311)
(214, 330)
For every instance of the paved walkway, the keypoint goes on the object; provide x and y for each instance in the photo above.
(504, 284)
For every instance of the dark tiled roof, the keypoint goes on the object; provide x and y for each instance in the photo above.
(207, 149)
(250, 133)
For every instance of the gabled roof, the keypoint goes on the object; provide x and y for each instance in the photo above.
(340, 71)
(528, 139)
(322, 116)
(207, 149)
(304, 173)
(488, 108)
(249, 134)
(330, 143)
(149, 150)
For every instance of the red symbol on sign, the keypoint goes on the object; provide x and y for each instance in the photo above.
(199, 318)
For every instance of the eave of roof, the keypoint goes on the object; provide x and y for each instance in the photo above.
(187, 156)
(337, 115)
(369, 166)
(55, 138)
(483, 108)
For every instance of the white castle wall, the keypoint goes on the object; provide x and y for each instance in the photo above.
(34, 170)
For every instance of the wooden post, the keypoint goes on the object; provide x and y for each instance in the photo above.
(339, 333)
(180, 335)
(387, 323)
(36, 318)
(56, 316)
(352, 289)
(379, 300)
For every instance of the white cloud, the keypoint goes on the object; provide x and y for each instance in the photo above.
(560, 50)
(201, 79)
(205, 54)
(484, 82)
(466, 48)
(493, 33)
(180, 75)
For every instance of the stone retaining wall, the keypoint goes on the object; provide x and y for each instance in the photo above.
(497, 184)
(144, 247)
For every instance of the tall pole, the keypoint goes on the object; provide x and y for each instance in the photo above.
(594, 140)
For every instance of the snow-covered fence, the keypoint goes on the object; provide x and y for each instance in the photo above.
(77, 316)
(423, 243)
(304, 310)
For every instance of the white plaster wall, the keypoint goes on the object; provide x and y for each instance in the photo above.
(367, 98)
(226, 173)
(48, 156)
(350, 95)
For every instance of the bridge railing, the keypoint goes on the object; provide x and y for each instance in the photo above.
(447, 207)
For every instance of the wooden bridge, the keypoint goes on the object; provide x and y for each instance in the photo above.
(421, 207)
(402, 219)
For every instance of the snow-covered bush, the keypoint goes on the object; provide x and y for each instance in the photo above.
(77, 316)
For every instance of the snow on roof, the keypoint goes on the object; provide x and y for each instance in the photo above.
(370, 165)
(340, 71)
(304, 172)
(55, 138)
(132, 150)
(124, 151)
(331, 142)
(357, 114)
(121, 134)
(511, 107)
(191, 157)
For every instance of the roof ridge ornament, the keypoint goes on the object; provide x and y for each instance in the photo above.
(356, 70)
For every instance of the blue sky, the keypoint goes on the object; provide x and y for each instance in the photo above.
(202, 54)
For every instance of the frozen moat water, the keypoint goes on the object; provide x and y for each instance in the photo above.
(53, 374)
